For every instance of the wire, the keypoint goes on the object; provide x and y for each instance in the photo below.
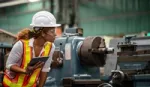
(105, 85)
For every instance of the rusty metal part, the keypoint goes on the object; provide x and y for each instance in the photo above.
(137, 58)
(89, 58)
(57, 59)
(138, 52)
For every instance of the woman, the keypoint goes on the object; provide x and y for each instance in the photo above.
(32, 43)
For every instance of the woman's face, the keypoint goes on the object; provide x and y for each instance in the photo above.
(49, 34)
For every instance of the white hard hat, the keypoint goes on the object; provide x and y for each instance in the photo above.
(44, 19)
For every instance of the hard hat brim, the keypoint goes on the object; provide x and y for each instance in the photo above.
(55, 25)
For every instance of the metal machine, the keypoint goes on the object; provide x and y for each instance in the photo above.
(133, 62)
(81, 59)
(4, 49)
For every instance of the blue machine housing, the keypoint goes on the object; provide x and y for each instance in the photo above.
(72, 67)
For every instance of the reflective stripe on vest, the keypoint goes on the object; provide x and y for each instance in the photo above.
(22, 80)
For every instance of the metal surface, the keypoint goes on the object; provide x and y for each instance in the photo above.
(57, 59)
(117, 76)
(4, 50)
(138, 52)
(89, 58)
(132, 63)
(134, 60)
(130, 57)
(69, 82)
(111, 60)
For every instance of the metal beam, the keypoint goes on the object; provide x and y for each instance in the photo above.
(15, 2)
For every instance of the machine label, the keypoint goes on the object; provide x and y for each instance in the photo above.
(68, 51)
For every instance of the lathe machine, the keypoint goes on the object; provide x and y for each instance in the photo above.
(81, 58)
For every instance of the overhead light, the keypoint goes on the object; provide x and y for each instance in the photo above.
(33, 0)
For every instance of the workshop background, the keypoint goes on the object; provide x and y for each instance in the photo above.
(111, 19)
(107, 18)
(96, 17)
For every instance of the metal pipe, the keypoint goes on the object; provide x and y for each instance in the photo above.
(103, 50)
(15, 2)
(52, 6)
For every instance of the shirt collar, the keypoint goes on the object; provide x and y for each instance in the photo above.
(31, 42)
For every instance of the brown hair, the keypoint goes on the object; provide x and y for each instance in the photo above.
(27, 33)
(36, 32)
(23, 34)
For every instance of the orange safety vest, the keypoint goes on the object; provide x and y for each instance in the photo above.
(23, 80)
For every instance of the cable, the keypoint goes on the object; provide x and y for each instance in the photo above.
(105, 85)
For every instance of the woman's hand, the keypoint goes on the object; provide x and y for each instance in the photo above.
(30, 69)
